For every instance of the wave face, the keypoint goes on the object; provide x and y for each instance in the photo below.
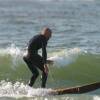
(13, 67)
(71, 68)
(73, 65)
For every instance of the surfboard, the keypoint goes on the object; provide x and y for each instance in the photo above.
(77, 90)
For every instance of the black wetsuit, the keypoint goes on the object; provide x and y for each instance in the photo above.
(34, 60)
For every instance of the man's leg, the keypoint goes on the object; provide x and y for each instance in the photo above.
(44, 79)
(40, 65)
(33, 78)
(33, 69)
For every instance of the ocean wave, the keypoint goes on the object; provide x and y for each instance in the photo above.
(61, 58)
(65, 57)
(20, 90)
(71, 67)
(96, 98)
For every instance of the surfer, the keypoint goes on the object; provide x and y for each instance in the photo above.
(34, 61)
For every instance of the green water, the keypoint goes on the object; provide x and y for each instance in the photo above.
(85, 69)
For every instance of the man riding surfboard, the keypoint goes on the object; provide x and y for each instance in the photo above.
(34, 61)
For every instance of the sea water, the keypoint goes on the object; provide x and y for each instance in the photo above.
(74, 47)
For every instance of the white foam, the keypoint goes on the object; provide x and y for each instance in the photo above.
(12, 50)
(96, 98)
(19, 90)
(65, 57)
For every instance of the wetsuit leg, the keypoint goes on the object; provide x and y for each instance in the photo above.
(40, 65)
(44, 79)
(33, 69)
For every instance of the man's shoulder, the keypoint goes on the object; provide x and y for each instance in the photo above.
(41, 37)
(35, 37)
(38, 38)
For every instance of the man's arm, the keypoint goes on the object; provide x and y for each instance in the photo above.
(44, 55)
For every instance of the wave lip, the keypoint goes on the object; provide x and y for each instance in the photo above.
(61, 58)
(12, 50)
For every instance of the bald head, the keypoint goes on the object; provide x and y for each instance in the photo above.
(47, 33)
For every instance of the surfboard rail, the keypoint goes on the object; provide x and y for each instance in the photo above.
(77, 90)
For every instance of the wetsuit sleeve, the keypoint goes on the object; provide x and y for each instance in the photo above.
(44, 52)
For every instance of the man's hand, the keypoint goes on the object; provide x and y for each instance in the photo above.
(46, 70)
